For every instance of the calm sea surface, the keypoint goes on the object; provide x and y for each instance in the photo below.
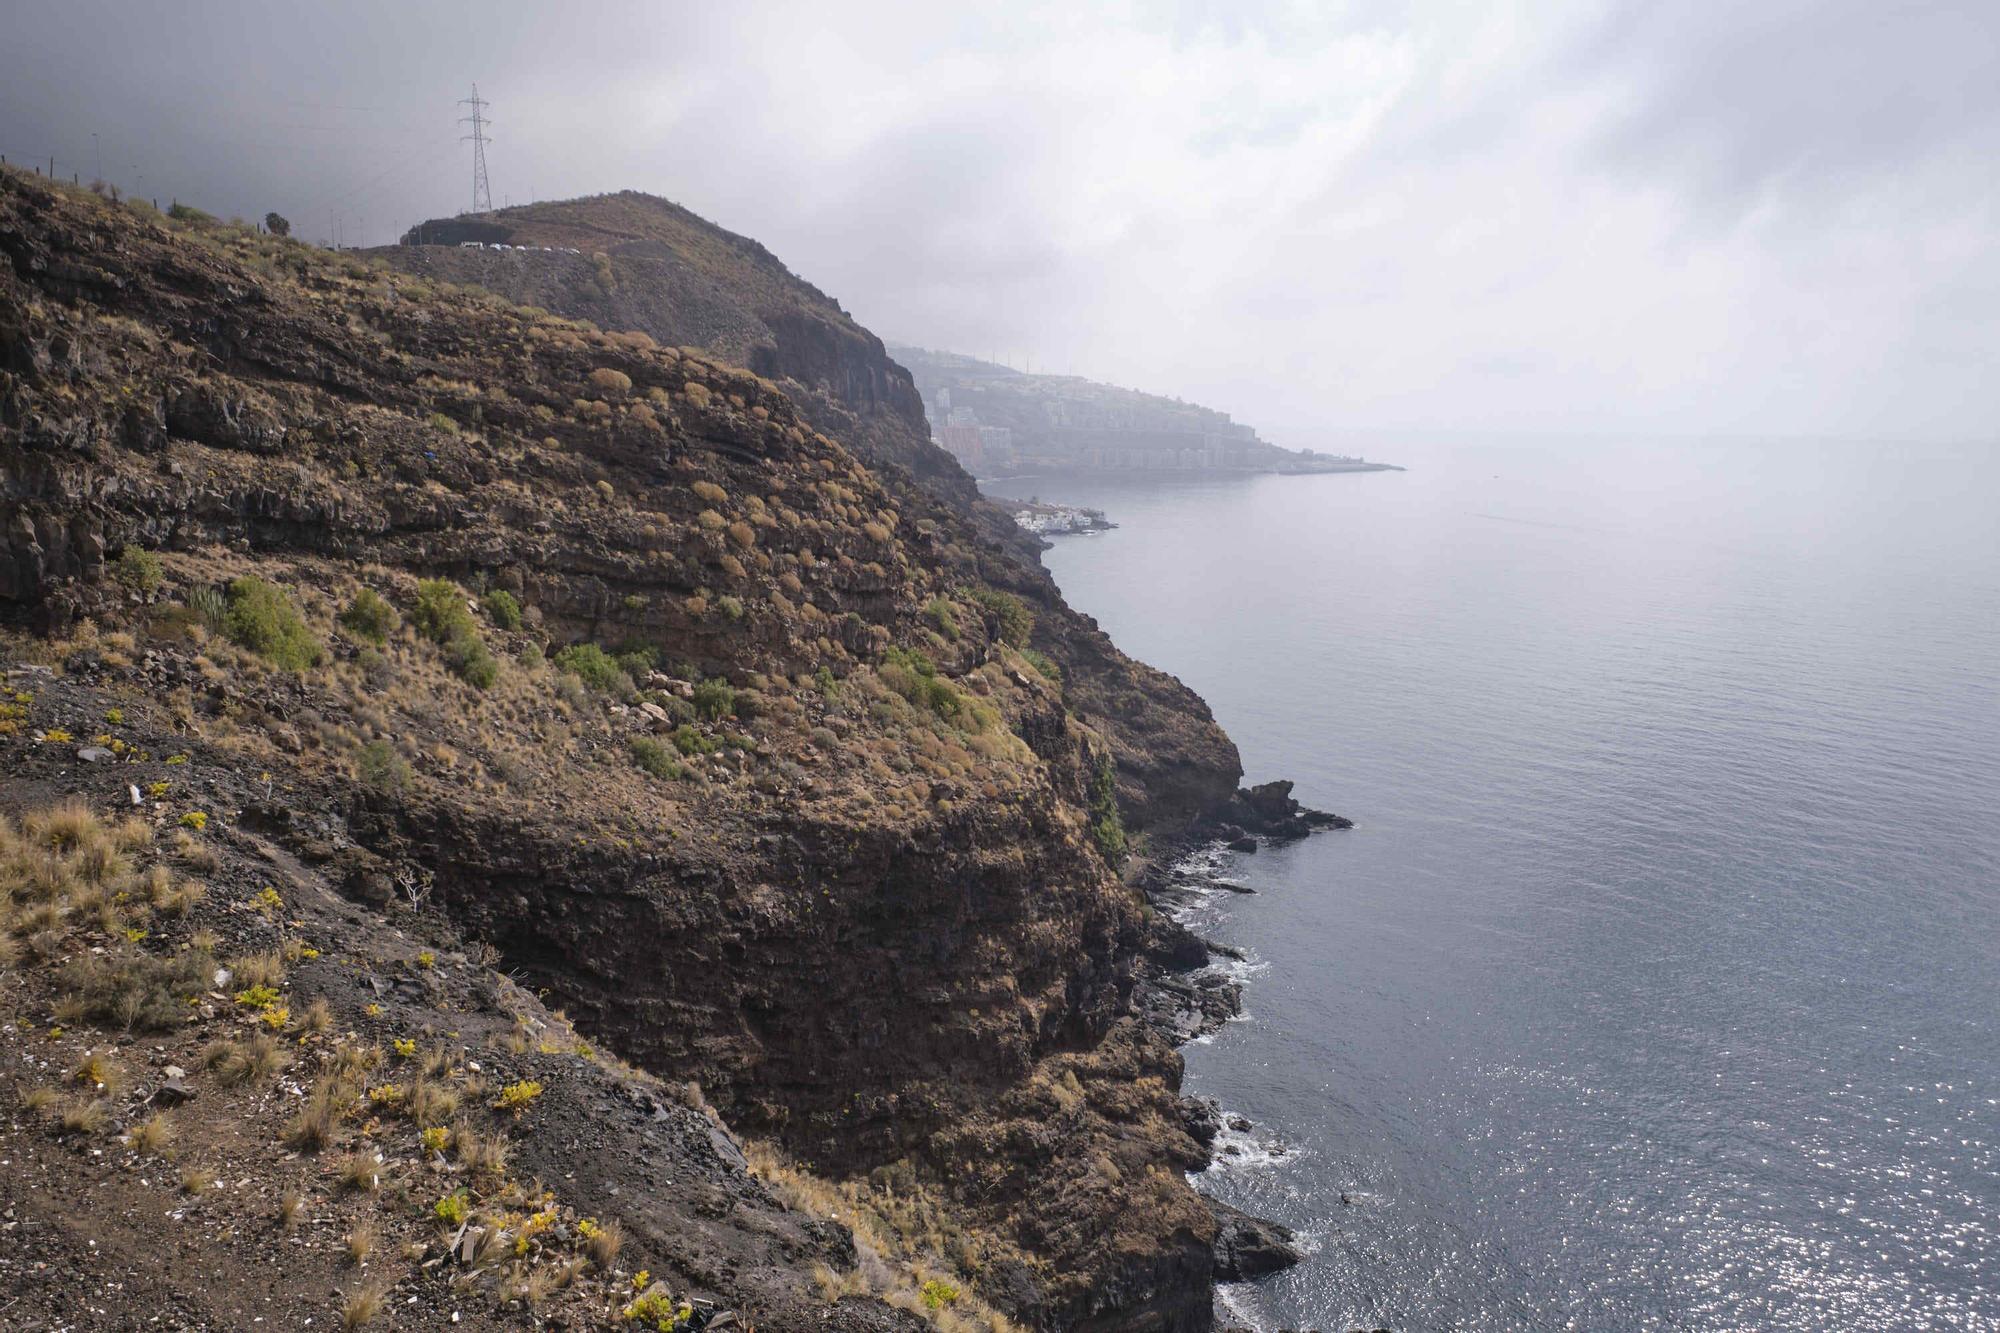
(1659, 985)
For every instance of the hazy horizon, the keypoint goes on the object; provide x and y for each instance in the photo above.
(1329, 221)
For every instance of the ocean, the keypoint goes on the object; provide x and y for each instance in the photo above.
(1658, 984)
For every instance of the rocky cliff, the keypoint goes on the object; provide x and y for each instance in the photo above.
(761, 758)
(645, 264)
(634, 261)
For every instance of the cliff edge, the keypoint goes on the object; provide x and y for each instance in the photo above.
(603, 668)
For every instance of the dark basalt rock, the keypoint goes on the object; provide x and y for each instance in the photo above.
(1174, 947)
(1249, 1247)
(1269, 810)
(1203, 1119)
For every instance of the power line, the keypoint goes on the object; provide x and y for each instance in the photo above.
(397, 173)
(482, 196)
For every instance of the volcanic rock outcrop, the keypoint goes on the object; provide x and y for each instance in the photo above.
(697, 697)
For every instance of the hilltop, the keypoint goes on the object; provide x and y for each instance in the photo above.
(389, 662)
(642, 262)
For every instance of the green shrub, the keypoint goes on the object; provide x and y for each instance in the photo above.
(654, 757)
(1107, 826)
(675, 707)
(502, 609)
(913, 675)
(597, 669)
(440, 615)
(138, 569)
(181, 212)
(368, 616)
(262, 618)
(474, 662)
(714, 699)
(943, 616)
(382, 769)
(636, 659)
(691, 742)
(1009, 616)
(1044, 665)
(210, 606)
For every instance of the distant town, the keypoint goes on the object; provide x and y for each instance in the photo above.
(1000, 422)
(1057, 520)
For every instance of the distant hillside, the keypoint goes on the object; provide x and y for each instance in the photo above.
(998, 421)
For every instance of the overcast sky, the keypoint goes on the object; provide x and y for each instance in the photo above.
(1740, 217)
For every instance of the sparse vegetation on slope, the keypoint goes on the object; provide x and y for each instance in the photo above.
(700, 585)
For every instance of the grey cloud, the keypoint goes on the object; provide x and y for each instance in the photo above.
(1326, 218)
(1793, 95)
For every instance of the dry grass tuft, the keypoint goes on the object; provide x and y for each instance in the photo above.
(833, 1286)
(316, 1019)
(428, 1104)
(131, 989)
(256, 969)
(351, 1060)
(290, 1204)
(197, 1180)
(489, 1246)
(96, 1070)
(361, 1172)
(169, 896)
(604, 1243)
(361, 1243)
(85, 1116)
(255, 1059)
(151, 1137)
(482, 1154)
(318, 1120)
(361, 1306)
(531, 1285)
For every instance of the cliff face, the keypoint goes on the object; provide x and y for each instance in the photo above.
(646, 264)
(383, 1006)
(792, 813)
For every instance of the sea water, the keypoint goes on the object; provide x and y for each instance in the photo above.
(1658, 984)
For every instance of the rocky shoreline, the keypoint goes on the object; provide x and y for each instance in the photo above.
(1183, 995)
(788, 776)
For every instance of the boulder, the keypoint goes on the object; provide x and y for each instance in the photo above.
(1202, 1119)
(173, 1092)
(1249, 1247)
